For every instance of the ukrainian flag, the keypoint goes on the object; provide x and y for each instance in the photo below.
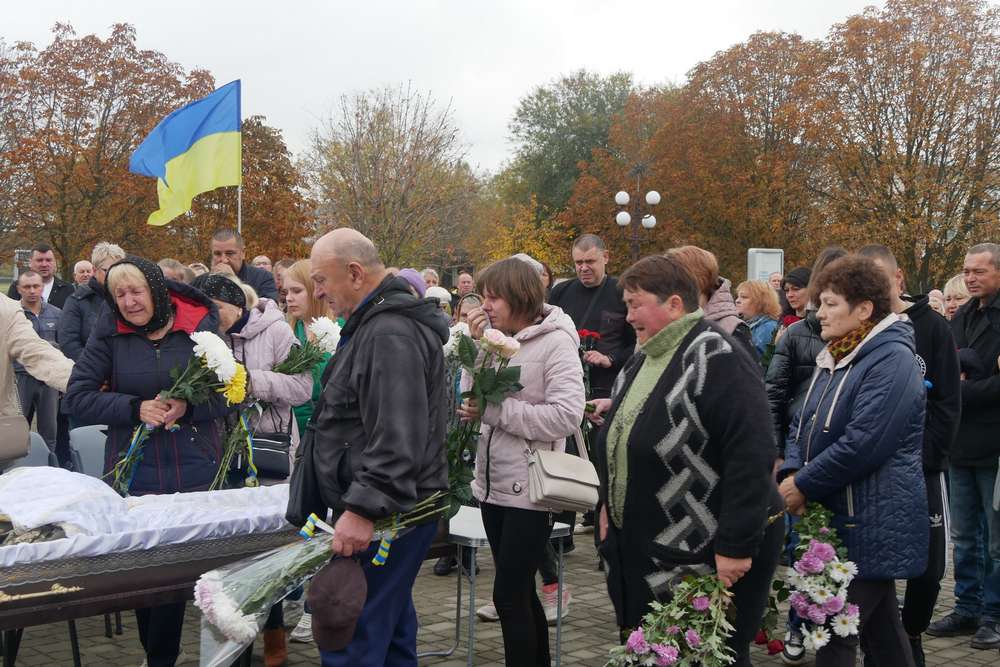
(193, 150)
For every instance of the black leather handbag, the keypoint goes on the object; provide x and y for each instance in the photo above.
(270, 451)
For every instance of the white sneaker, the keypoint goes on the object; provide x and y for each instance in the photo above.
(550, 602)
(488, 613)
(303, 632)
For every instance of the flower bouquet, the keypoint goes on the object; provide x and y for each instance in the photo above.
(820, 578)
(236, 598)
(691, 629)
(211, 369)
(302, 358)
(490, 385)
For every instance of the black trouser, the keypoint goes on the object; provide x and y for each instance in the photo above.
(750, 593)
(160, 633)
(517, 539)
(881, 629)
(275, 617)
(922, 592)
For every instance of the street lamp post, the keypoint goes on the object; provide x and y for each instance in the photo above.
(624, 218)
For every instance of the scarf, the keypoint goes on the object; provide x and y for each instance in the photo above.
(162, 308)
(843, 346)
(221, 288)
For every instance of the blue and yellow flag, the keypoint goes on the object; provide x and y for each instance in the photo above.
(193, 150)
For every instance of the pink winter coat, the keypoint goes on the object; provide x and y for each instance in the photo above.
(263, 343)
(542, 415)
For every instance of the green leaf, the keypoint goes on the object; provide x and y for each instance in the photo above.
(467, 351)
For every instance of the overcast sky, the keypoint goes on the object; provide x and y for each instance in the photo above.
(296, 57)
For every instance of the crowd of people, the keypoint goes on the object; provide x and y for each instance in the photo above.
(713, 412)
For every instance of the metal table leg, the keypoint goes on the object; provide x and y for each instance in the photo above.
(472, 603)
(559, 606)
(458, 616)
(11, 644)
(74, 644)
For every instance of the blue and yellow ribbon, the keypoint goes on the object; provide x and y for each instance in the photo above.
(382, 554)
(251, 479)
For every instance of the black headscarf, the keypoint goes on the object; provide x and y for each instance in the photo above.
(162, 308)
(220, 288)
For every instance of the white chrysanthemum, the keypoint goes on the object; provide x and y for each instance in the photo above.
(221, 611)
(821, 595)
(843, 572)
(844, 625)
(457, 331)
(217, 355)
(327, 333)
(816, 638)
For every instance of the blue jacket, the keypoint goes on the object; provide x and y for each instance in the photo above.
(136, 370)
(762, 330)
(79, 316)
(856, 447)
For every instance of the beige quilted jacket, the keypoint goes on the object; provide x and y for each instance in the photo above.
(19, 342)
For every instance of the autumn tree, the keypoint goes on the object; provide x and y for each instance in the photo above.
(907, 111)
(83, 105)
(390, 164)
(555, 127)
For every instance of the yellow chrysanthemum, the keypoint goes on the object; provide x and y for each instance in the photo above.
(236, 389)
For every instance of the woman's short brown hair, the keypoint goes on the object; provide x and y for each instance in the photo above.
(702, 266)
(516, 283)
(856, 279)
(664, 276)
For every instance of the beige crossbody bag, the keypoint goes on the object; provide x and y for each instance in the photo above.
(563, 482)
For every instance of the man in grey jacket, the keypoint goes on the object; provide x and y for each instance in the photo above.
(37, 399)
(379, 432)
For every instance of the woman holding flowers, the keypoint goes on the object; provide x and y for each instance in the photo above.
(256, 331)
(117, 381)
(685, 467)
(855, 448)
(302, 307)
(542, 415)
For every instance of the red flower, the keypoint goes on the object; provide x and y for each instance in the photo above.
(761, 638)
(583, 333)
(595, 335)
(775, 646)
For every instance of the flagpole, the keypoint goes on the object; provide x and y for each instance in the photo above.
(239, 210)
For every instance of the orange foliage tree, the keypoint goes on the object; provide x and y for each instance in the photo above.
(73, 113)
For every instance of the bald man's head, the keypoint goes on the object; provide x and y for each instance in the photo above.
(345, 269)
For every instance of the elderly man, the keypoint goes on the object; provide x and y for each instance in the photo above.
(378, 434)
(774, 280)
(54, 289)
(80, 312)
(82, 271)
(262, 262)
(228, 249)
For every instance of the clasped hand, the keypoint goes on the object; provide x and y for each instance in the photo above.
(162, 413)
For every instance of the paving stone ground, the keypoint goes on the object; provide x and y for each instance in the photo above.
(588, 631)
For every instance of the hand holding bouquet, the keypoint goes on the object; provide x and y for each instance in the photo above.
(691, 629)
(211, 369)
(303, 358)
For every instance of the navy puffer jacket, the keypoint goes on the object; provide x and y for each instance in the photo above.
(856, 447)
(79, 316)
(136, 370)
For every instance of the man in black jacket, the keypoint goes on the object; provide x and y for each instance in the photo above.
(974, 459)
(228, 248)
(938, 358)
(594, 301)
(43, 261)
(379, 433)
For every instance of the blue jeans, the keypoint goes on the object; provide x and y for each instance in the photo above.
(974, 523)
(386, 633)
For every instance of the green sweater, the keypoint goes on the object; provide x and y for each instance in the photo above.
(659, 350)
(304, 412)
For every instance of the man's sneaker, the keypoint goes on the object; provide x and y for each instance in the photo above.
(953, 625)
(488, 613)
(445, 565)
(917, 647)
(987, 636)
(550, 602)
(303, 632)
(794, 652)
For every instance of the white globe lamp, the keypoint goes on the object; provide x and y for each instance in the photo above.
(649, 221)
(622, 199)
(652, 197)
(623, 218)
